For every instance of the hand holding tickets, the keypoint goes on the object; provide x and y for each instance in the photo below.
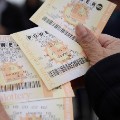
(51, 48)
(35, 61)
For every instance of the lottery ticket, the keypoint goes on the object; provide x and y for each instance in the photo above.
(56, 60)
(18, 79)
(61, 16)
(54, 109)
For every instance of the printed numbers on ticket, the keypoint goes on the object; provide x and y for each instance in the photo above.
(61, 16)
(57, 61)
(18, 79)
(54, 109)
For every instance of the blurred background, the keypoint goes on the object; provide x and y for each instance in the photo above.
(15, 14)
(14, 17)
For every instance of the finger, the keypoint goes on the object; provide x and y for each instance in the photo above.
(3, 114)
(86, 38)
(89, 43)
(106, 40)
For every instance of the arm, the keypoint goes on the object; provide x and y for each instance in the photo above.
(103, 87)
(103, 78)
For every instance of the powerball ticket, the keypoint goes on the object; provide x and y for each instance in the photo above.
(18, 79)
(61, 16)
(53, 109)
(56, 60)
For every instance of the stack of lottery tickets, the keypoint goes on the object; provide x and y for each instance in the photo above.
(37, 65)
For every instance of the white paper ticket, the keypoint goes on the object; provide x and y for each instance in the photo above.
(53, 109)
(19, 81)
(56, 60)
(60, 17)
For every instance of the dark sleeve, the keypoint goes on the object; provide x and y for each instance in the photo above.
(103, 87)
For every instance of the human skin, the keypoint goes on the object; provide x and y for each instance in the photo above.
(3, 114)
(95, 49)
(106, 44)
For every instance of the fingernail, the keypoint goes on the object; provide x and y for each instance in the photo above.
(80, 30)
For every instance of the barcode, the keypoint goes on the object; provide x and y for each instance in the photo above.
(59, 28)
(19, 86)
(64, 68)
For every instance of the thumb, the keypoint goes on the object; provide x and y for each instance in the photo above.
(89, 43)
